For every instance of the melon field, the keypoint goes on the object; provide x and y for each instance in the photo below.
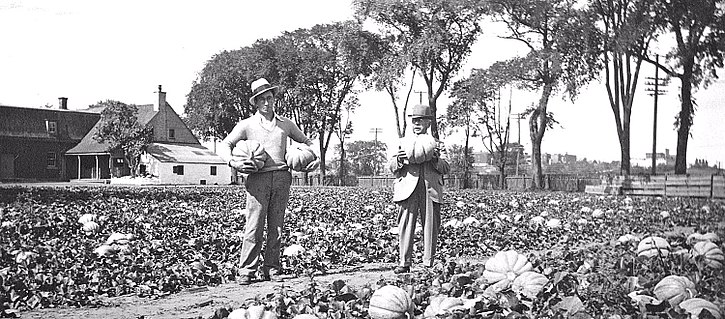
(500, 254)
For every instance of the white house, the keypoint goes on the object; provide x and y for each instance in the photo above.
(174, 157)
(185, 164)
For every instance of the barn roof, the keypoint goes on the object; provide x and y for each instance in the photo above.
(30, 123)
(88, 145)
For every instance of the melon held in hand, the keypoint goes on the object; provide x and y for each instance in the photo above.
(299, 156)
(419, 148)
(251, 150)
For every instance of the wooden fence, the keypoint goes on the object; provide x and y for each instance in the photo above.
(452, 181)
(558, 182)
(700, 186)
(554, 182)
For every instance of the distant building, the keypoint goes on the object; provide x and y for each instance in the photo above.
(33, 140)
(661, 159)
(568, 159)
(551, 159)
(546, 159)
(174, 157)
(481, 157)
(482, 163)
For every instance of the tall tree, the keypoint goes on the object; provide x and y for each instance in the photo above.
(331, 60)
(219, 97)
(388, 76)
(558, 36)
(699, 32)
(483, 89)
(460, 114)
(119, 127)
(627, 29)
(480, 93)
(436, 35)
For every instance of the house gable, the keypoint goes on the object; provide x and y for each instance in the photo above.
(170, 128)
(160, 116)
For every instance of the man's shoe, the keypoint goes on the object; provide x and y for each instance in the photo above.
(401, 269)
(244, 280)
(272, 277)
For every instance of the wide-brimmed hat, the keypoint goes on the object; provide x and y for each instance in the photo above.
(421, 110)
(260, 86)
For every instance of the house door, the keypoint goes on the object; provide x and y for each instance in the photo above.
(7, 166)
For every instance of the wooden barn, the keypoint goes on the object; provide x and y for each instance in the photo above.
(34, 140)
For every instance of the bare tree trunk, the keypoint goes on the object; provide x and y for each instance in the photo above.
(323, 166)
(623, 132)
(624, 148)
(342, 164)
(434, 123)
(466, 173)
(685, 121)
(537, 127)
(502, 177)
(391, 93)
(538, 174)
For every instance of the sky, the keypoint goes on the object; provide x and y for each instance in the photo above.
(89, 51)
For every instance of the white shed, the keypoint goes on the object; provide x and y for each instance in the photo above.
(173, 163)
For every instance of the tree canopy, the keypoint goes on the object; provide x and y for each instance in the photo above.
(436, 35)
(698, 27)
(559, 37)
(627, 28)
(219, 96)
(329, 60)
(317, 69)
(119, 127)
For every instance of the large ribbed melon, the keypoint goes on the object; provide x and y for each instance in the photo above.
(653, 246)
(251, 150)
(299, 156)
(419, 148)
(710, 253)
(674, 289)
(390, 302)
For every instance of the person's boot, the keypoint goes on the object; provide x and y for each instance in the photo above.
(244, 280)
(401, 269)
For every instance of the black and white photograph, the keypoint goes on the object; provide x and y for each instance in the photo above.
(362, 159)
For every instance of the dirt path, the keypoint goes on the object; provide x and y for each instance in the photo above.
(203, 302)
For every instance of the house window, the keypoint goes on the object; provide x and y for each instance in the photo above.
(52, 127)
(51, 161)
(178, 169)
(118, 162)
(172, 134)
(213, 171)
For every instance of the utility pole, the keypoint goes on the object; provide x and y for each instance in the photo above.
(376, 131)
(654, 87)
(518, 117)
(420, 96)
